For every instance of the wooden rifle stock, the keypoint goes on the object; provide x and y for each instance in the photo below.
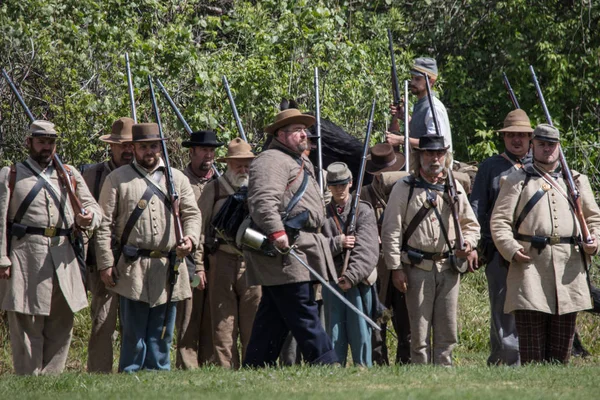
(351, 222)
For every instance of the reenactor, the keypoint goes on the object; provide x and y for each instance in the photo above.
(194, 330)
(516, 134)
(41, 285)
(358, 276)
(233, 302)
(288, 301)
(534, 226)
(419, 244)
(103, 311)
(138, 211)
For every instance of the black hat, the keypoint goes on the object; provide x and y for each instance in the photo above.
(431, 142)
(202, 138)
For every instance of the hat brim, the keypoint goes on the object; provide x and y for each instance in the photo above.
(304, 119)
(516, 128)
(150, 140)
(111, 139)
(340, 182)
(44, 134)
(189, 143)
(547, 139)
(420, 72)
(374, 170)
(436, 149)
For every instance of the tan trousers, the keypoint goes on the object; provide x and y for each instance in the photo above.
(40, 344)
(432, 302)
(233, 305)
(103, 311)
(194, 331)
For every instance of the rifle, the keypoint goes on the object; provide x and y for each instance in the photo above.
(236, 116)
(406, 131)
(174, 197)
(395, 86)
(573, 191)
(180, 117)
(450, 187)
(130, 87)
(318, 132)
(65, 178)
(351, 222)
(511, 94)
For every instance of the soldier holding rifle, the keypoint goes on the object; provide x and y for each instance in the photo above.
(534, 225)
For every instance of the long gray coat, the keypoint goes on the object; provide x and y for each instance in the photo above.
(36, 259)
(274, 178)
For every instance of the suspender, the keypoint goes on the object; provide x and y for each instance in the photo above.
(97, 182)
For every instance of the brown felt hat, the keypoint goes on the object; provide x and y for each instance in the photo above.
(147, 132)
(289, 117)
(41, 128)
(517, 121)
(237, 149)
(121, 131)
(383, 159)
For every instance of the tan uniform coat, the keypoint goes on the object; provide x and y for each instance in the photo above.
(145, 279)
(554, 281)
(274, 178)
(35, 259)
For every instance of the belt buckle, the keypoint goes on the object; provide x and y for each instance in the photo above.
(156, 254)
(437, 257)
(554, 239)
(50, 231)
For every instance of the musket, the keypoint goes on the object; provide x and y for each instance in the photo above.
(451, 184)
(573, 191)
(65, 178)
(406, 130)
(236, 116)
(351, 222)
(511, 94)
(318, 132)
(180, 117)
(174, 198)
(395, 86)
(130, 87)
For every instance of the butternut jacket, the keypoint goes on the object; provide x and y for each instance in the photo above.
(145, 279)
(365, 254)
(428, 236)
(554, 281)
(36, 259)
(275, 175)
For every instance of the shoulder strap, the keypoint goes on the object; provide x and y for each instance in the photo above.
(97, 181)
(12, 179)
(417, 219)
(136, 214)
(298, 195)
(442, 226)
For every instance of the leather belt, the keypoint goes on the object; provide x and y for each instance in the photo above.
(48, 232)
(551, 240)
(428, 255)
(153, 253)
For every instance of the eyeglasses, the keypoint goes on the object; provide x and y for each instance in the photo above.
(298, 130)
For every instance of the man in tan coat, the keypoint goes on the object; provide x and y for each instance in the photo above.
(104, 302)
(194, 330)
(40, 281)
(419, 240)
(288, 301)
(233, 303)
(138, 211)
(534, 227)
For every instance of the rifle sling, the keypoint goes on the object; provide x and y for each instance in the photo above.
(297, 196)
(528, 207)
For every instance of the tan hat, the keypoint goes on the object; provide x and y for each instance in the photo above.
(121, 131)
(289, 117)
(517, 121)
(237, 149)
(547, 133)
(41, 128)
(338, 173)
(147, 132)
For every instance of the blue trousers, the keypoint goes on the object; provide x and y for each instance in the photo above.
(142, 346)
(284, 308)
(345, 327)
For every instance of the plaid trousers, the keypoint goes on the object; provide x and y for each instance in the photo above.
(545, 337)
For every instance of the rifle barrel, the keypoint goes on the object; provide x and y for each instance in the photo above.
(511, 93)
(406, 130)
(18, 95)
(394, 72)
(130, 88)
(318, 131)
(236, 116)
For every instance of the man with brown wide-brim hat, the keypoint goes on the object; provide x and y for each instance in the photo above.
(139, 215)
(233, 303)
(103, 311)
(516, 134)
(41, 285)
(193, 325)
(287, 302)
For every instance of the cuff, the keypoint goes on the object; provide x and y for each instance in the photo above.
(5, 262)
(276, 235)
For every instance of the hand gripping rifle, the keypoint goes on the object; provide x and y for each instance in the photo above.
(573, 191)
(174, 198)
(130, 87)
(451, 187)
(236, 116)
(65, 178)
(180, 117)
(318, 132)
(351, 222)
(511, 94)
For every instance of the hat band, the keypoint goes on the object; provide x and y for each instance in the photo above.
(338, 182)
(384, 165)
(518, 123)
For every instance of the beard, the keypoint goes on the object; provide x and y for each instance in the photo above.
(43, 157)
(126, 158)
(433, 168)
(237, 180)
(301, 148)
(148, 162)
